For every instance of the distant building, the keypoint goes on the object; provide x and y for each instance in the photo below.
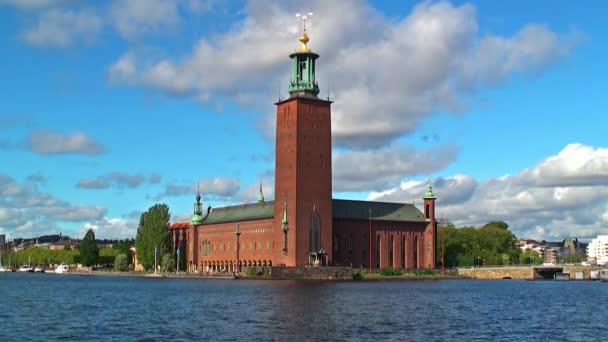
(597, 250)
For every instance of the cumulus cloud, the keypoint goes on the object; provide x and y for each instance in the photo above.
(379, 169)
(50, 142)
(119, 180)
(62, 28)
(386, 75)
(563, 195)
(217, 187)
(136, 17)
(24, 209)
(112, 228)
(33, 4)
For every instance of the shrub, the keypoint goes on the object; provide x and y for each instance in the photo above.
(389, 272)
(121, 263)
(167, 263)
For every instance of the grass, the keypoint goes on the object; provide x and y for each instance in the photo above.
(396, 274)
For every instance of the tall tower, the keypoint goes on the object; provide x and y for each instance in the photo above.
(303, 194)
(430, 233)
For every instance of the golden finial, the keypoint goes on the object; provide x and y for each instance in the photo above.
(304, 37)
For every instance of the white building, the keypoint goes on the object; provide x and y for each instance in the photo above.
(597, 250)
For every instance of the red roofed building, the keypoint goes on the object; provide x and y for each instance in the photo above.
(304, 225)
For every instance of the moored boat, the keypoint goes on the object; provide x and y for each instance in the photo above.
(62, 269)
(26, 268)
(39, 269)
(604, 274)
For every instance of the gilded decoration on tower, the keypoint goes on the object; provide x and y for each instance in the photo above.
(303, 65)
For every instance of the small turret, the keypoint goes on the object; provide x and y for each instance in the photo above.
(261, 194)
(197, 218)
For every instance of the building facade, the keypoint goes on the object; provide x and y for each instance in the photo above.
(597, 250)
(304, 225)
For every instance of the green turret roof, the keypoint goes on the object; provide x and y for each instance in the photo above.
(261, 195)
(429, 192)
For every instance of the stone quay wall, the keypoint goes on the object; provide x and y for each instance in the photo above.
(497, 273)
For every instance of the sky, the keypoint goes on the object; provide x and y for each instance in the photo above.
(111, 106)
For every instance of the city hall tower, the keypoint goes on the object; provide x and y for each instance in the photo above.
(303, 189)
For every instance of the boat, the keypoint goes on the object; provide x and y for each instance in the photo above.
(62, 269)
(604, 274)
(39, 269)
(562, 276)
(26, 268)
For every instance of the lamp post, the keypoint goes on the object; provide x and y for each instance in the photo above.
(371, 268)
(443, 250)
(237, 232)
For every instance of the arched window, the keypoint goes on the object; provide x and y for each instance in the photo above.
(427, 211)
(377, 251)
(314, 232)
(390, 252)
(403, 255)
(415, 250)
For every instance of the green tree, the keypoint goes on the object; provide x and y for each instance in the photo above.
(67, 247)
(120, 263)
(88, 249)
(530, 257)
(123, 247)
(152, 233)
(168, 263)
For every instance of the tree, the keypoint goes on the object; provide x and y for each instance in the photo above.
(530, 257)
(168, 263)
(120, 263)
(152, 233)
(67, 247)
(123, 247)
(88, 249)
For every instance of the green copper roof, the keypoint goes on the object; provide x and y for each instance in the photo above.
(197, 220)
(381, 211)
(429, 191)
(342, 209)
(261, 195)
(245, 212)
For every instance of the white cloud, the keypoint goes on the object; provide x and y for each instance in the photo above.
(33, 4)
(386, 75)
(133, 18)
(50, 142)
(217, 187)
(112, 228)
(379, 169)
(570, 200)
(27, 211)
(62, 28)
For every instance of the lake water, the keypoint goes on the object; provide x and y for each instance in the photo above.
(69, 307)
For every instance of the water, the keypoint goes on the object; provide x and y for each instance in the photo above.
(68, 307)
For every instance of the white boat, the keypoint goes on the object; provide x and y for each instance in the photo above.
(26, 268)
(62, 268)
(39, 269)
(604, 274)
(2, 269)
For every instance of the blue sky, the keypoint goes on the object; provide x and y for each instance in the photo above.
(109, 107)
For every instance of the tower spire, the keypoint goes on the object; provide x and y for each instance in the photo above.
(429, 191)
(261, 194)
(303, 65)
(197, 217)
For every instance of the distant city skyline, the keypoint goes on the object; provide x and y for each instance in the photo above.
(113, 106)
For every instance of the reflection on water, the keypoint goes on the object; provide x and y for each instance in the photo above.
(48, 307)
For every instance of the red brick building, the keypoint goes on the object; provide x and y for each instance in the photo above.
(304, 225)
